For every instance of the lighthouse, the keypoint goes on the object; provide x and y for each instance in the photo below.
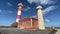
(20, 6)
(40, 18)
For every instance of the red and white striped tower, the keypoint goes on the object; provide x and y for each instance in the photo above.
(20, 6)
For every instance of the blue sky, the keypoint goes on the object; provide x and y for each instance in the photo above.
(50, 10)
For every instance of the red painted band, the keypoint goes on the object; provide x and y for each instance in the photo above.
(19, 8)
(18, 16)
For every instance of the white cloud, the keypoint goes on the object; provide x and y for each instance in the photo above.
(31, 1)
(47, 1)
(9, 4)
(48, 9)
(5, 11)
(47, 20)
(0, 11)
(35, 16)
(26, 9)
(10, 11)
(43, 2)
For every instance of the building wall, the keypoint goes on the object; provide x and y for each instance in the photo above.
(26, 24)
(35, 21)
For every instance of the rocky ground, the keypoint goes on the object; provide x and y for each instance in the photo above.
(17, 31)
(58, 31)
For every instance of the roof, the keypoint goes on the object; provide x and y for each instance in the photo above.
(28, 18)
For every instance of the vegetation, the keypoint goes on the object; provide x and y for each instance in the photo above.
(14, 24)
(50, 28)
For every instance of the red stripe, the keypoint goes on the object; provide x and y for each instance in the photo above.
(18, 16)
(19, 9)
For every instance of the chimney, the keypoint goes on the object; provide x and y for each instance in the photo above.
(40, 18)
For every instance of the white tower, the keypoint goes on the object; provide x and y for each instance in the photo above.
(40, 18)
